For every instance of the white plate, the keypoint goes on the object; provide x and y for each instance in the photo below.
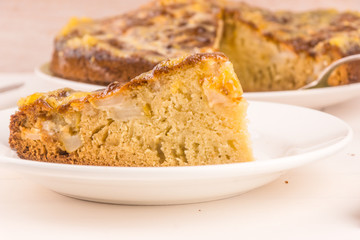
(45, 73)
(313, 98)
(284, 137)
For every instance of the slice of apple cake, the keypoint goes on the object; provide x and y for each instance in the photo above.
(186, 111)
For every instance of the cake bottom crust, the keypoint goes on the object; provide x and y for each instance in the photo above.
(98, 70)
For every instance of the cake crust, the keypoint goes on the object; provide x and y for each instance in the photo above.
(98, 70)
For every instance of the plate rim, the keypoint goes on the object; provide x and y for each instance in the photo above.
(300, 92)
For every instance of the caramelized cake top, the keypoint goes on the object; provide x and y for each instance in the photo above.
(218, 78)
(158, 30)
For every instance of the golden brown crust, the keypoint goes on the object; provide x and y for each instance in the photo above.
(63, 98)
(98, 70)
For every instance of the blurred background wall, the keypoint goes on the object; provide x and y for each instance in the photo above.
(27, 28)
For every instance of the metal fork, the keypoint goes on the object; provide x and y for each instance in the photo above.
(324, 75)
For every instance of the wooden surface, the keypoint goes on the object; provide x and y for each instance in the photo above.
(28, 27)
